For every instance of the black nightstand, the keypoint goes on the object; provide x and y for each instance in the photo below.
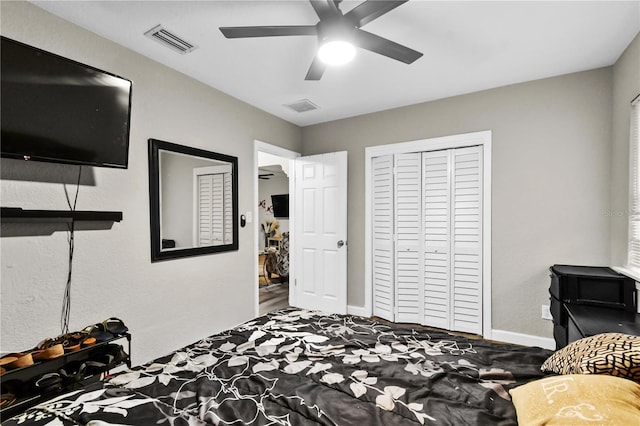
(585, 320)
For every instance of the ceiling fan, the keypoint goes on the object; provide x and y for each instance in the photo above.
(337, 30)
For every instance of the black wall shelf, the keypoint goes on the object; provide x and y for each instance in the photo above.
(17, 214)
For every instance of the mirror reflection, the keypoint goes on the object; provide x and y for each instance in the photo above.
(193, 197)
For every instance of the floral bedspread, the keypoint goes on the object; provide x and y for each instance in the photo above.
(298, 367)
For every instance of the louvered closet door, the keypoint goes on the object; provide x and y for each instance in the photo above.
(210, 209)
(205, 196)
(383, 226)
(435, 274)
(228, 209)
(436, 167)
(408, 229)
(466, 206)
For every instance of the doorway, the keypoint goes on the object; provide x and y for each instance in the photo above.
(273, 192)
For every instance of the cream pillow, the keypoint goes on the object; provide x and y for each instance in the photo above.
(578, 399)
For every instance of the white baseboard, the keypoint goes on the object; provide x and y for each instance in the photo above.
(357, 310)
(499, 335)
(522, 339)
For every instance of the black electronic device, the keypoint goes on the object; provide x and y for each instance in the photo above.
(59, 110)
(280, 206)
(592, 285)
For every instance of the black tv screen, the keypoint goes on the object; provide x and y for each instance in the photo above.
(280, 205)
(59, 110)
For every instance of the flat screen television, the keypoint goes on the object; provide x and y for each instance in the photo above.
(280, 205)
(58, 110)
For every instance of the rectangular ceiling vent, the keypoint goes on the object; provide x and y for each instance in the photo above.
(303, 105)
(164, 36)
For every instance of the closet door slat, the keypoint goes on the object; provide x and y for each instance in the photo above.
(409, 278)
(436, 170)
(466, 236)
(383, 246)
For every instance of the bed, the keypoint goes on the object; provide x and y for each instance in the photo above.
(299, 367)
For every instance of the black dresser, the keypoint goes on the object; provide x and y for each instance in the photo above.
(585, 321)
(588, 288)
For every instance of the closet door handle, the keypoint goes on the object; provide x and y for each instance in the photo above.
(340, 244)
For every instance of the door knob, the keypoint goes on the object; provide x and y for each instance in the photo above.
(340, 243)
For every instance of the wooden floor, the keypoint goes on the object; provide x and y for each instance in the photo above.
(273, 297)
(273, 293)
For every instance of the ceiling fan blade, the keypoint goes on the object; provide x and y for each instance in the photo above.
(325, 9)
(370, 10)
(268, 31)
(316, 69)
(385, 47)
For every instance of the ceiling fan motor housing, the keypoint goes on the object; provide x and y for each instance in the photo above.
(338, 28)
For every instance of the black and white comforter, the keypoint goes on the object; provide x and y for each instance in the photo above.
(297, 367)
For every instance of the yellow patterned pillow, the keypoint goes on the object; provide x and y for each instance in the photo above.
(577, 399)
(615, 354)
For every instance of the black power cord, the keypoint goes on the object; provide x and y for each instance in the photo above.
(66, 301)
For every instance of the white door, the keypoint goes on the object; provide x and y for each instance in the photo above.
(432, 202)
(383, 234)
(408, 229)
(320, 234)
(436, 170)
(466, 240)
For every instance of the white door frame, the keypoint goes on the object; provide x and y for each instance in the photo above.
(259, 146)
(446, 142)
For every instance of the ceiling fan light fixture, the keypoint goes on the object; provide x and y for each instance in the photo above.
(336, 52)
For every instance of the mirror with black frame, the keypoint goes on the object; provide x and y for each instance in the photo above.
(193, 197)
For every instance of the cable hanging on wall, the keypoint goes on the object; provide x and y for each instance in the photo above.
(66, 301)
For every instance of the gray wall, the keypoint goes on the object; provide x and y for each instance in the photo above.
(550, 180)
(626, 86)
(166, 304)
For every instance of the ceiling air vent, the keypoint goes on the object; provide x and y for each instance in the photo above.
(303, 105)
(170, 40)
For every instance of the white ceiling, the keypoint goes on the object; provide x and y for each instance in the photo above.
(467, 46)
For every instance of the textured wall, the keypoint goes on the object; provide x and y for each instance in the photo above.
(550, 180)
(165, 304)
